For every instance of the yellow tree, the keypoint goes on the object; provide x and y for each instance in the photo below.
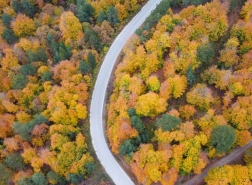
(229, 55)
(70, 26)
(23, 26)
(3, 4)
(187, 111)
(153, 83)
(178, 85)
(200, 96)
(9, 62)
(220, 175)
(149, 165)
(150, 104)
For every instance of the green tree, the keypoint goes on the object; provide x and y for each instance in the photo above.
(14, 161)
(168, 122)
(24, 130)
(84, 67)
(222, 138)
(64, 52)
(131, 112)
(192, 2)
(27, 69)
(91, 60)
(39, 179)
(54, 178)
(42, 55)
(101, 17)
(75, 178)
(112, 15)
(5, 174)
(6, 19)
(9, 36)
(92, 38)
(137, 123)
(28, 8)
(47, 76)
(127, 147)
(17, 6)
(25, 181)
(233, 5)
(19, 81)
(190, 75)
(39, 55)
(205, 52)
(84, 11)
(90, 166)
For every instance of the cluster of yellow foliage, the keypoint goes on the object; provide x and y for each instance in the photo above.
(227, 174)
(23, 26)
(70, 26)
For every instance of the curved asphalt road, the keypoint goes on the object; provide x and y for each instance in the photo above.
(104, 154)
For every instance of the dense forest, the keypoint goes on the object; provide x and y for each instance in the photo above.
(50, 51)
(183, 93)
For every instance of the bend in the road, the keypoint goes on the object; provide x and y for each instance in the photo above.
(103, 152)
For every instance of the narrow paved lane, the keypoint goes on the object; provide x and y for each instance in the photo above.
(104, 154)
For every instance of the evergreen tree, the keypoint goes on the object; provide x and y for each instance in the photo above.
(168, 122)
(131, 112)
(127, 147)
(54, 177)
(17, 6)
(28, 8)
(112, 15)
(19, 81)
(24, 130)
(47, 76)
(205, 52)
(84, 11)
(101, 17)
(5, 174)
(90, 166)
(190, 75)
(56, 58)
(137, 123)
(92, 38)
(222, 138)
(39, 179)
(91, 60)
(84, 67)
(75, 178)
(14, 161)
(32, 56)
(27, 69)
(63, 53)
(192, 2)
(9, 36)
(25, 181)
(42, 56)
(6, 19)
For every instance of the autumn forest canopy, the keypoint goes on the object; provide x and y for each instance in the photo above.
(182, 93)
(50, 51)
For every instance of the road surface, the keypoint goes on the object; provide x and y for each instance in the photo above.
(104, 154)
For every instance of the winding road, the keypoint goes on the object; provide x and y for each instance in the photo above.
(103, 152)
